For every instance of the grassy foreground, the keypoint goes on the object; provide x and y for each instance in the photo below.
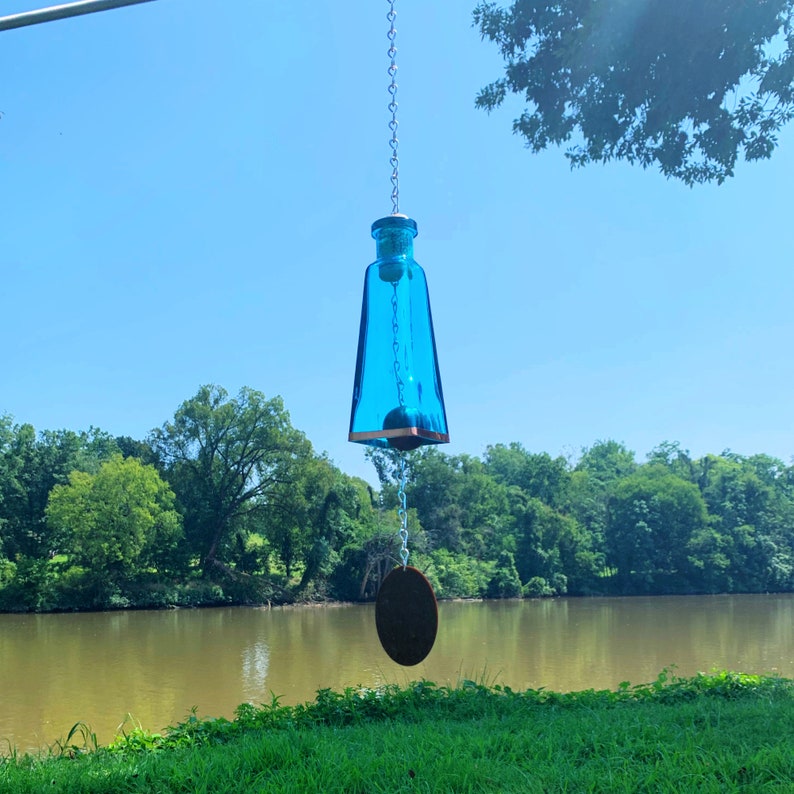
(716, 733)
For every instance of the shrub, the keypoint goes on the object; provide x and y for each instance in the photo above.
(537, 587)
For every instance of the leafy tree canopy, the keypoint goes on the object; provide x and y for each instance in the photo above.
(224, 456)
(682, 85)
(653, 515)
(118, 521)
(30, 465)
(607, 461)
(538, 474)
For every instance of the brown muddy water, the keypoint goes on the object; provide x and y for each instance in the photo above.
(152, 668)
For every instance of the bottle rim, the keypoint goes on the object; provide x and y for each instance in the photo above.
(395, 222)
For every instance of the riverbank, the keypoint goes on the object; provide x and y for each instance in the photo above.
(716, 733)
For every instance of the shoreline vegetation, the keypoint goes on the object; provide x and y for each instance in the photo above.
(227, 503)
(717, 732)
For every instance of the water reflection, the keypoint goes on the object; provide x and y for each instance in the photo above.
(256, 659)
(157, 666)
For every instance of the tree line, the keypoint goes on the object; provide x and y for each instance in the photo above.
(227, 502)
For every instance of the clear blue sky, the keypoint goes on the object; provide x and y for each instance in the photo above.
(186, 191)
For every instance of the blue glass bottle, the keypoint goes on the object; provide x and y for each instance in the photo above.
(397, 396)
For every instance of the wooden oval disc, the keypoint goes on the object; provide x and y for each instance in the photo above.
(406, 616)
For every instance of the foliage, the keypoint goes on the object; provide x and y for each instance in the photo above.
(24, 585)
(30, 465)
(652, 517)
(455, 575)
(719, 732)
(421, 700)
(505, 583)
(537, 474)
(368, 552)
(683, 86)
(224, 457)
(313, 516)
(118, 522)
(460, 506)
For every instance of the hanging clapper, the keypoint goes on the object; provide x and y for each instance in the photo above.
(406, 616)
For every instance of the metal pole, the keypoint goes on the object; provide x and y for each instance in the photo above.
(61, 12)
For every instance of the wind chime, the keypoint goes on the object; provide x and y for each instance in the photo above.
(397, 397)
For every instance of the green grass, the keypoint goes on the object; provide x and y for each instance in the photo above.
(716, 733)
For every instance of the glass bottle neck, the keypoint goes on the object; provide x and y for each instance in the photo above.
(394, 237)
(390, 243)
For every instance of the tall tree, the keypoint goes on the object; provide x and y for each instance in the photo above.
(117, 522)
(652, 517)
(312, 516)
(537, 474)
(595, 475)
(460, 505)
(225, 456)
(752, 511)
(30, 465)
(370, 549)
(673, 457)
(6, 473)
(607, 461)
(682, 85)
(552, 548)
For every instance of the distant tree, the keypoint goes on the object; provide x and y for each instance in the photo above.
(117, 522)
(387, 463)
(752, 515)
(771, 471)
(456, 575)
(370, 547)
(652, 517)
(537, 474)
(435, 490)
(30, 465)
(505, 583)
(599, 468)
(6, 440)
(312, 516)
(552, 547)
(607, 461)
(133, 448)
(485, 510)
(225, 457)
(675, 459)
(460, 505)
(685, 85)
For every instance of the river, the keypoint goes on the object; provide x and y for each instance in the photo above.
(152, 668)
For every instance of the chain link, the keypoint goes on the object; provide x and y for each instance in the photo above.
(395, 326)
(394, 160)
(402, 511)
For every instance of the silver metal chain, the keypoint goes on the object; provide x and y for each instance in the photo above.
(395, 326)
(394, 160)
(402, 511)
